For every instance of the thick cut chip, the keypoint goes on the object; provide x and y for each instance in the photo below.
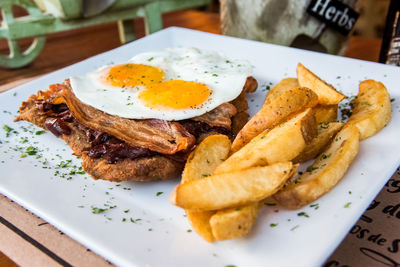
(278, 110)
(327, 94)
(372, 108)
(232, 189)
(282, 143)
(326, 131)
(326, 171)
(202, 162)
(283, 86)
(234, 222)
(200, 222)
(324, 113)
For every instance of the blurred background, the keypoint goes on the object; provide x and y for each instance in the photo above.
(68, 31)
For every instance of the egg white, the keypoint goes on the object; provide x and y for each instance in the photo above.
(224, 77)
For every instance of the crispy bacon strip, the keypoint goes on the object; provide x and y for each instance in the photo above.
(219, 117)
(157, 135)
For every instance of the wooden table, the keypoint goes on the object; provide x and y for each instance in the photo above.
(63, 49)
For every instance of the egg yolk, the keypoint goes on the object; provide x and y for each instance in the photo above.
(175, 94)
(130, 75)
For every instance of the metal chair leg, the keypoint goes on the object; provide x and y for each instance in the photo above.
(152, 18)
(17, 58)
(126, 31)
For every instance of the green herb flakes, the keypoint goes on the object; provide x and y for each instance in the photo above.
(304, 214)
(159, 193)
(311, 168)
(98, 210)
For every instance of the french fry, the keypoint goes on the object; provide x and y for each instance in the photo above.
(326, 131)
(277, 90)
(290, 102)
(326, 171)
(234, 189)
(206, 157)
(282, 143)
(327, 94)
(201, 162)
(372, 108)
(234, 222)
(324, 113)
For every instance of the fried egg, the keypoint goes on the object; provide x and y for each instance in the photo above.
(170, 84)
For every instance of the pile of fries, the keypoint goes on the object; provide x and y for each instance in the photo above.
(224, 185)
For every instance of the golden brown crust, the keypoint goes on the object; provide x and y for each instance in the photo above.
(142, 169)
(151, 168)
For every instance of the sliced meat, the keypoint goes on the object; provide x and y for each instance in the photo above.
(218, 117)
(157, 135)
(251, 85)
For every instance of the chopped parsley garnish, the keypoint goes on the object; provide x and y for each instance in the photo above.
(8, 130)
(315, 206)
(98, 210)
(325, 125)
(347, 205)
(392, 100)
(126, 211)
(273, 225)
(30, 150)
(325, 156)
(159, 193)
(189, 231)
(262, 137)
(294, 228)
(40, 132)
(215, 75)
(311, 168)
(205, 175)
(150, 59)
(365, 103)
(304, 214)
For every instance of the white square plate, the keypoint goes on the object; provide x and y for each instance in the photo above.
(143, 228)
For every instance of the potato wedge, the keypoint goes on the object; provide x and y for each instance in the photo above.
(283, 86)
(202, 162)
(200, 222)
(326, 132)
(234, 222)
(324, 113)
(231, 189)
(326, 171)
(293, 101)
(372, 108)
(282, 143)
(327, 94)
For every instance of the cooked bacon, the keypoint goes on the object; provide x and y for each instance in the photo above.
(219, 117)
(157, 135)
(251, 85)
